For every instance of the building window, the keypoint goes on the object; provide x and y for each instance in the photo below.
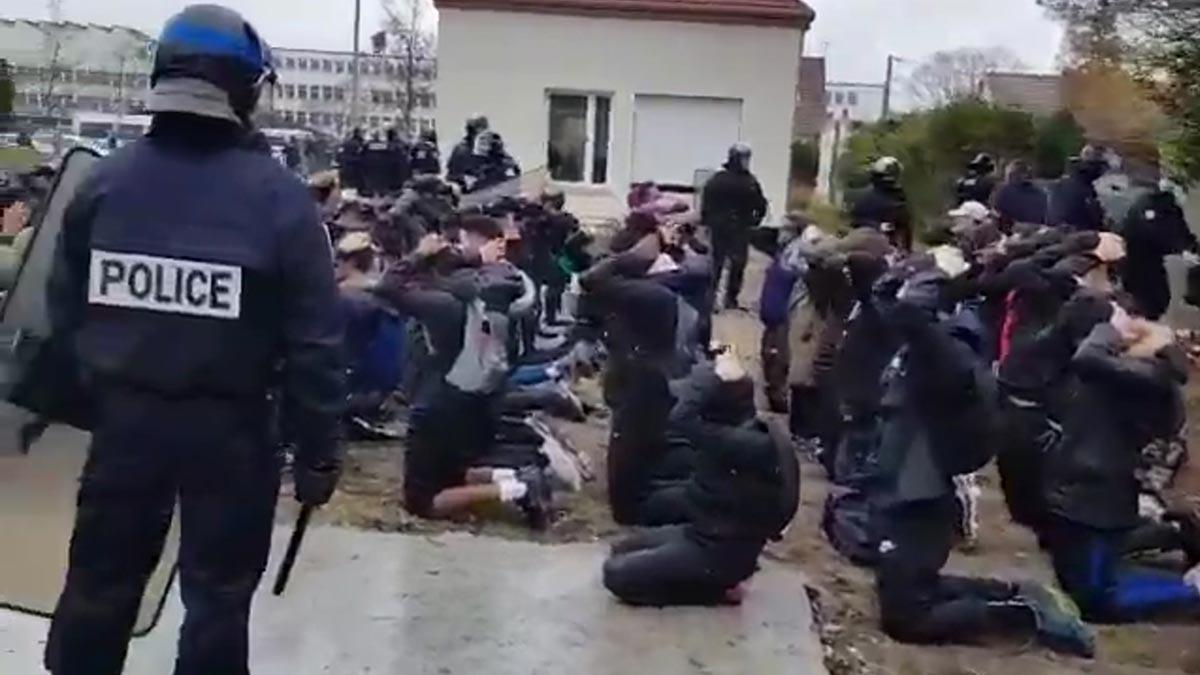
(852, 97)
(314, 64)
(339, 93)
(579, 138)
(327, 66)
(302, 64)
(327, 93)
(839, 98)
(339, 67)
(301, 117)
(289, 63)
(302, 91)
(289, 91)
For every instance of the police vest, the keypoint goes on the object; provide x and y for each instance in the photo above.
(169, 285)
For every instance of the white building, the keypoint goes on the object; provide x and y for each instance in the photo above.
(60, 68)
(63, 68)
(855, 101)
(610, 92)
(315, 88)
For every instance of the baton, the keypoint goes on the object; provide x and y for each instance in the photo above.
(293, 548)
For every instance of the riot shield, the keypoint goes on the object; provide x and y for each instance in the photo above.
(40, 464)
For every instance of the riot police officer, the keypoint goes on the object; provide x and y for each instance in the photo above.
(424, 158)
(192, 277)
(979, 182)
(1074, 202)
(884, 207)
(463, 158)
(733, 204)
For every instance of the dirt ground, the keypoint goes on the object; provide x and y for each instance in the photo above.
(369, 498)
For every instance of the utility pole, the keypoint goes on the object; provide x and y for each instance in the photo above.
(356, 66)
(887, 87)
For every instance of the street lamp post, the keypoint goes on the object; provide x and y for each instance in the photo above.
(355, 66)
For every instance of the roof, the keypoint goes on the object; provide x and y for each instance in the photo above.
(810, 98)
(782, 13)
(1028, 92)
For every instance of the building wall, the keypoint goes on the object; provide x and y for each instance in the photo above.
(381, 86)
(856, 101)
(502, 64)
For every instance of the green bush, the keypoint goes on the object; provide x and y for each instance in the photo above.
(1058, 137)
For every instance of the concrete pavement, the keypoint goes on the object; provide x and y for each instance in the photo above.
(367, 602)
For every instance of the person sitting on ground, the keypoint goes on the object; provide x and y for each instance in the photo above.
(452, 415)
(1129, 378)
(938, 416)
(745, 491)
(374, 340)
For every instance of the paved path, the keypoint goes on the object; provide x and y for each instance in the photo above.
(364, 602)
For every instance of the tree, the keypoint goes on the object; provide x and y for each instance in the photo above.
(7, 90)
(1056, 138)
(958, 74)
(407, 38)
(1155, 42)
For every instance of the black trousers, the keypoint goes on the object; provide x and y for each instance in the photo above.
(676, 565)
(731, 248)
(215, 459)
(918, 603)
(1025, 433)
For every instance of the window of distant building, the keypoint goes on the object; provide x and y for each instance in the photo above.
(302, 91)
(289, 63)
(327, 93)
(339, 67)
(852, 97)
(314, 64)
(339, 94)
(578, 146)
(289, 91)
(327, 66)
(301, 117)
(839, 98)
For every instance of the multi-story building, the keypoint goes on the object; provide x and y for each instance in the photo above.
(60, 68)
(315, 91)
(855, 101)
(63, 68)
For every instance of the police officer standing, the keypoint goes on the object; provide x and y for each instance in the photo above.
(979, 182)
(1074, 203)
(425, 157)
(733, 204)
(884, 207)
(193, 276)
(463, 158)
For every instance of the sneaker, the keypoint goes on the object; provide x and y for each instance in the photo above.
(537, 502)
(1059, 626)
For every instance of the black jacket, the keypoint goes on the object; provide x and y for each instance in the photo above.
(1021, 202)
(1075, 205)
(350, 163)
(938, 411)
(163, 288)
(1118, 405)
(1155, 227)
(746, 482)
(424, 158)
(733, 201)
(973, 188)
(881, 207)
(462, 160)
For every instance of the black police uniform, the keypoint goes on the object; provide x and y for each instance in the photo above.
(183, 311)
(733, 205)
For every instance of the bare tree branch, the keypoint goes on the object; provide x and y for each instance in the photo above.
(958, 74)
(415, 46)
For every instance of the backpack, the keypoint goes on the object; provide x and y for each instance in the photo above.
(482, 364)
(848, 523)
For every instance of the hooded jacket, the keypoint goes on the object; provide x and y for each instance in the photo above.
(1020, 201)
(746, 482)
(1119, 404)
(1074, 203)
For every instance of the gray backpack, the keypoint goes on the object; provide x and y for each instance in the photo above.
(482, 364)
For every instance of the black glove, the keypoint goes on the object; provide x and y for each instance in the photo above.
(315, 485)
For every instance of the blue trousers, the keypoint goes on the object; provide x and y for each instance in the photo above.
(1090, 568)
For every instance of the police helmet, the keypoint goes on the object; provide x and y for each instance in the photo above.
(740, 151)
(887, 169)
(209, 61)
(982, 164)
(1093, 161)
(477, 124)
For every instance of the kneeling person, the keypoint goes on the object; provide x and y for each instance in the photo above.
(745, 490)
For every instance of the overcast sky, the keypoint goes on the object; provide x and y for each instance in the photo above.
(855, 35)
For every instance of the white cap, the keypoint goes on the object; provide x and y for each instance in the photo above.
(971, 211)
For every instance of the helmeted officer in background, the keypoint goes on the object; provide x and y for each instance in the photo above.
(425, 158)
(733, 205)
(1074, 203)
(399, 162)
(193, 276)
(979, 182)
(884, 207)
(463, 158)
